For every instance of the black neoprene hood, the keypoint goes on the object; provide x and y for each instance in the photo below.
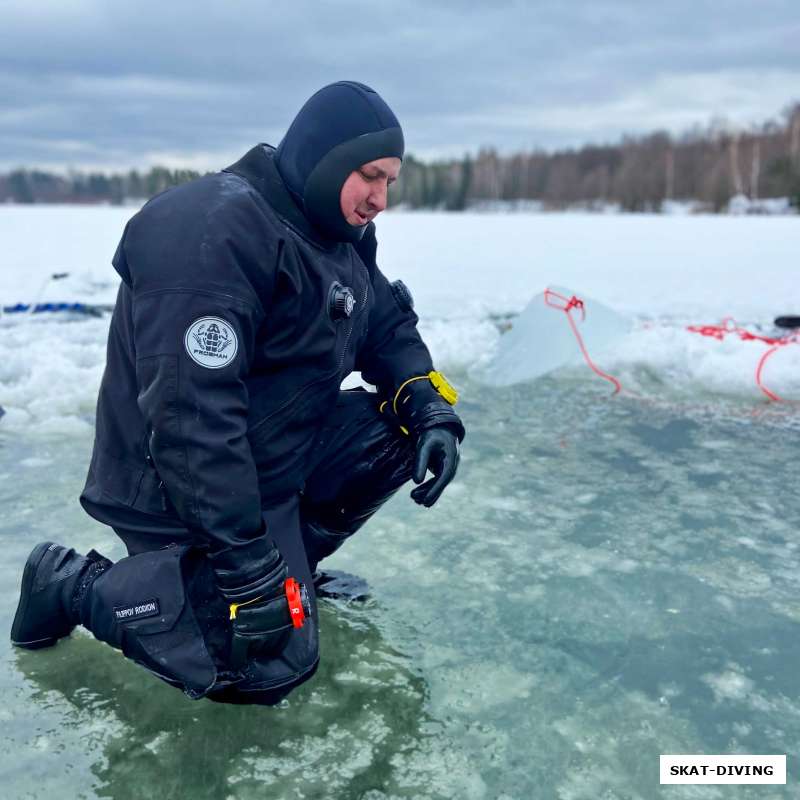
(341, 127)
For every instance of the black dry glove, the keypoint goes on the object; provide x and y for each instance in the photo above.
(437, 451)
(259, 610)
(426, 416)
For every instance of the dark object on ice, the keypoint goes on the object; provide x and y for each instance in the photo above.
(2, 411)
(53, 308)
(787, 322)
(51, 584)
(337, 585)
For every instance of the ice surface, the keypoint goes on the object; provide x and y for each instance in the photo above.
(606, 580)
(470, 275)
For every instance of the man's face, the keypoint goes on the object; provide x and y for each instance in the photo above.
(363, 194)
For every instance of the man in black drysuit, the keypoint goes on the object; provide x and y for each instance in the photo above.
(226, 456)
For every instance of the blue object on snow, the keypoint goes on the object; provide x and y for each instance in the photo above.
(52, 308)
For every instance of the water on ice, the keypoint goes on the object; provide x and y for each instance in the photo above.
(608, 579)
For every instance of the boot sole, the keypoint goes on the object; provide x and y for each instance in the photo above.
(28, 576)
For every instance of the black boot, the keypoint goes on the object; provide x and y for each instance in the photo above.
(53, 584)
(337, 585)
(319, 543)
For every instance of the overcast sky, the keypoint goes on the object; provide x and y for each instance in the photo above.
(115, 85)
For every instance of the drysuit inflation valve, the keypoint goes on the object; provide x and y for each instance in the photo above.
(341, 301)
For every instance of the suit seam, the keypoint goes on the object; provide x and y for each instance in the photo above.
(207, 292)
(185, 450)
(362, 95)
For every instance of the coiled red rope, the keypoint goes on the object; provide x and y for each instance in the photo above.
(561, 303)
(728, 326)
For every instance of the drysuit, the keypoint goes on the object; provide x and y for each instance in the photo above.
(246, 299)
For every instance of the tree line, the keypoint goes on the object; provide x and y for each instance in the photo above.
(640, 173)
(38, 186)
(709, 166)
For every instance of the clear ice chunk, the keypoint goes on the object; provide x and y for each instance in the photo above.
(541, 339)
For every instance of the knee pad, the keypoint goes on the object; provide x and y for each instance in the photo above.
(142, 606)
(162, 609)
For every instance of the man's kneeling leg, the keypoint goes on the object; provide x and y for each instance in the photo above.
(141, 605)
(162, 609)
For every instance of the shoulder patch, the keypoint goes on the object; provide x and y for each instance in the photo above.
(211, 342)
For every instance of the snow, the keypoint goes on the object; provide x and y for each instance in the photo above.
(741, 204)
(41, 240)
(469, 273)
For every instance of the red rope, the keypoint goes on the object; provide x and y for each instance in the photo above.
(759, 368)
(566, 305)
(728, 325)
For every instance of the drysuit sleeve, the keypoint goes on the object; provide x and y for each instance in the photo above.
(193, 351)
(393, 350)
(194, 348)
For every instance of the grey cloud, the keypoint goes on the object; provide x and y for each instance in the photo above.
(101, 83)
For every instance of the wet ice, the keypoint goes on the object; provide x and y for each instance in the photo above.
(607, 580)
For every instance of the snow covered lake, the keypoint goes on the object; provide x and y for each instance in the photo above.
(609, 578)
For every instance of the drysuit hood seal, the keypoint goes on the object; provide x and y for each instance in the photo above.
(341, 127)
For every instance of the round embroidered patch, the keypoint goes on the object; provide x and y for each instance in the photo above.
(211, 342)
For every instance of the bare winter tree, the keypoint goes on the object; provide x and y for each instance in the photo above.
(755, 168)
(794, 145)
(736, 175)
(669, 173)
(703, 166)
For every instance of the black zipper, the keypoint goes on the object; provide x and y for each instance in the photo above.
(353, 319)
